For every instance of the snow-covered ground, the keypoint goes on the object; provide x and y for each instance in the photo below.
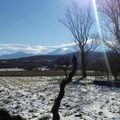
(33, 97)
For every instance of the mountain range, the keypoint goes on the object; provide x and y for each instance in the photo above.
(55, 51)
(62, 50)
(15, 55)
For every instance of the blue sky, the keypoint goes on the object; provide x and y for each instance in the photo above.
(32, 25)
(33, 22)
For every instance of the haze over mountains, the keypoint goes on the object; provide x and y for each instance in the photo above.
(15, 55)
(48, 56)
(53, 50)
(44, 50)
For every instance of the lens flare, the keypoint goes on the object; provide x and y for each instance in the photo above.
(100, 34)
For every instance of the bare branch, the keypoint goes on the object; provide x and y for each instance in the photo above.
(110, 14)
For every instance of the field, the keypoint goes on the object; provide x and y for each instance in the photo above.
(33, 97)
(16, 72)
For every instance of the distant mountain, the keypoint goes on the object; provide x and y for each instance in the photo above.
(15, 55)
(64, 50)
(46, 60)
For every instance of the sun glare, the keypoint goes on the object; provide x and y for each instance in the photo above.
(100, 34)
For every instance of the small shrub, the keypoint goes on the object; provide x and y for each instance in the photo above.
(4, 115)
(100, 113)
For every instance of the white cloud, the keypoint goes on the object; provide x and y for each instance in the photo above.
(13, 48)
(19, 22)
(67, 44)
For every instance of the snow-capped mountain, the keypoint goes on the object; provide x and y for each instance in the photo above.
(18, 51)
(54, 51)
(64, 50)
(40, 50)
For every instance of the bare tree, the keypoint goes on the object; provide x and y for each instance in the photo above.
(114, 62)
(110, 16)
(63, 84)
(80, 21)
(63, 63)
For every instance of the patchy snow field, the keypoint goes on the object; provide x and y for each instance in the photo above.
(33, 97)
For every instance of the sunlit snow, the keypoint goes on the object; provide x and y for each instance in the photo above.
(32, 97)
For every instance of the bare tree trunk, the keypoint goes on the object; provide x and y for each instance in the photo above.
(83, 64)
(63, 84)
(107, 74)
(115, 76)
(66, 73)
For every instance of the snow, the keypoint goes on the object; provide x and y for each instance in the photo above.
(33, 97)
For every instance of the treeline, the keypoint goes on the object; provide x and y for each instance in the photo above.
(30, 63)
